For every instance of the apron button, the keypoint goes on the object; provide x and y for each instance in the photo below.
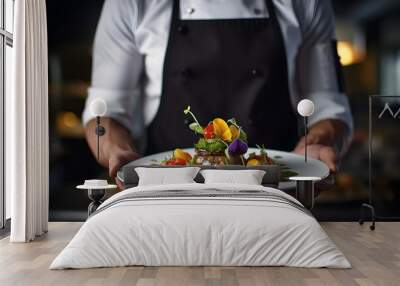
(255, 72)
(182, 29)
(186, 72)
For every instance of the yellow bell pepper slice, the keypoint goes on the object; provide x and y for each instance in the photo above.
(235, 132)
(221, 129)
(180, 154)
(253, 162)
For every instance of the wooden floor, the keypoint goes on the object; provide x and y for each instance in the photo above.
(375, 257)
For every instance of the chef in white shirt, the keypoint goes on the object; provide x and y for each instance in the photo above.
(253, 60)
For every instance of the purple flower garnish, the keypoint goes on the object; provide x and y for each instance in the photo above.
(237, 147)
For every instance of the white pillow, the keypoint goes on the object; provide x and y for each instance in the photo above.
(248, 177)
(166, 176)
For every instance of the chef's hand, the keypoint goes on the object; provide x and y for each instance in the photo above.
(321, 139)
(116, 147)
(320, 152)
(117, 158)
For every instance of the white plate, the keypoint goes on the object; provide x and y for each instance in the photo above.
(295, 162)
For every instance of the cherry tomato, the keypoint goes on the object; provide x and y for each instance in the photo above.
(209, 131)
(176, 162)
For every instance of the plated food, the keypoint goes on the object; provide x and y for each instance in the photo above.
(221, 142)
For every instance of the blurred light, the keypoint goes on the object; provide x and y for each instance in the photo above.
(69, 125)
(346, 53)
(69, 119)
(344, 181)
(351, 44)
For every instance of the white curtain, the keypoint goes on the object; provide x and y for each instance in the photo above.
(27, 144)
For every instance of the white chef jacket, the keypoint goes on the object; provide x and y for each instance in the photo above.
(131, 41)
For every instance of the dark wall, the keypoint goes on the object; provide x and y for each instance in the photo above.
(71, 28)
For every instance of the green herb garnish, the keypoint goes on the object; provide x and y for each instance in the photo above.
(211, 145)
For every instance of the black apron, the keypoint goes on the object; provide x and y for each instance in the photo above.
(233, 68)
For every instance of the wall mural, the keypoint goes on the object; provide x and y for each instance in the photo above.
(72, 27)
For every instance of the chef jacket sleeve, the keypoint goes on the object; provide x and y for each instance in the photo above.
(318, 70)
(117, 65)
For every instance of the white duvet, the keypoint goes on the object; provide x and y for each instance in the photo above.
(188, 231)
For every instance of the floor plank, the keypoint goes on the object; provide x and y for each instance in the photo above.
(375, 257)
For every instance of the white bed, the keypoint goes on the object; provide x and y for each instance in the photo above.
(201, 224)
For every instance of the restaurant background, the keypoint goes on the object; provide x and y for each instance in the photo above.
(369, 46)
